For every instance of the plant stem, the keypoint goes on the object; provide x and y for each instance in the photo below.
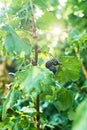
(34, 34)
(38, 112)
(36, 61)
(5, 5)
(83, 67)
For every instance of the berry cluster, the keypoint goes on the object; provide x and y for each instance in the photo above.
(51, 65)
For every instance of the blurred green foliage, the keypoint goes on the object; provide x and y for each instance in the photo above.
(62, 33)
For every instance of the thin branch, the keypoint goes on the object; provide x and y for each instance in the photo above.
(34, 35)
(5, 3)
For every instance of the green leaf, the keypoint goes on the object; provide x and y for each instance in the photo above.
(41, 3)
(17, 5)
(15, 44)
(80, 119)
(47, 21)
(35, 79)
(10, 101)
(55, 120)
(4, 126)
(63, 99)
(69, 70)
(71, 114)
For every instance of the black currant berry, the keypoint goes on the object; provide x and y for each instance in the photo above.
(53, 69)
(48, 64)
(55, 62)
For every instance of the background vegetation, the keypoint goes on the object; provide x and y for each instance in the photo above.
(34, 96)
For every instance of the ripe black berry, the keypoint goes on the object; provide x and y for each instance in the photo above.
(53, 69)
(48, 64)
(55, 62)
